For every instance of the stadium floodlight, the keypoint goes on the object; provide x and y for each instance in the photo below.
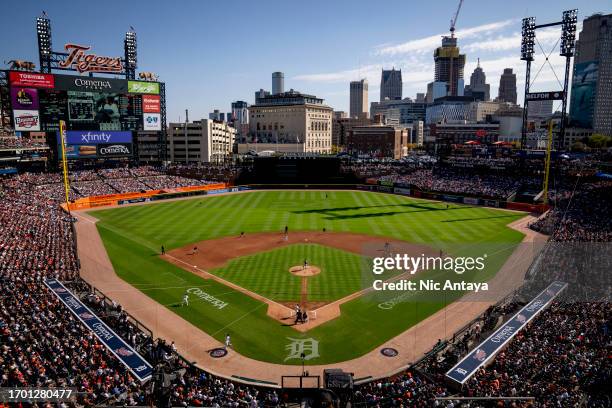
(568, 33)
(528, 39)
(130, 53)
(43, 29)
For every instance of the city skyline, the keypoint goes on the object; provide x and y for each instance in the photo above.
(220, 70)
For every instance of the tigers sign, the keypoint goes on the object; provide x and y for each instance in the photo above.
(78, 60)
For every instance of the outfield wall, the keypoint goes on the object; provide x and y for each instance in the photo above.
(138, 197)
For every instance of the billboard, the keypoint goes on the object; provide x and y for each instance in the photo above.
(582, 101)
(26, 120)
(31, 79)
(151, 104)
(114, 150)
(97, 144)
(96, 137)
(24, 98)
(545, 96)
(151, 121)
(90, 84)
(143, 87)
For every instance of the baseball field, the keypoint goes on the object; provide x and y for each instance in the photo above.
(231, 255)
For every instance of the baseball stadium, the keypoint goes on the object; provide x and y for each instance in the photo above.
(285, 271)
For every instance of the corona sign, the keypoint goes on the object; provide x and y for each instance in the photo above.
(80, 61)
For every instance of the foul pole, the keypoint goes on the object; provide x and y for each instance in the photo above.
(62, 125)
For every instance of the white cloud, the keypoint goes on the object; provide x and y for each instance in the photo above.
(427, 44)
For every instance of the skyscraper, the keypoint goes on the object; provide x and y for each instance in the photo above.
(278, 83)
(359, 98)
(591, 98)
(507, 87)
(391, 85)
(449, 66)
(478, 87)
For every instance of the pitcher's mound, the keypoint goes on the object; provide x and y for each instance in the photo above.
(307, 271)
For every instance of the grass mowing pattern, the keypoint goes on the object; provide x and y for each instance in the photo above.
(267, 273)
(133, 236)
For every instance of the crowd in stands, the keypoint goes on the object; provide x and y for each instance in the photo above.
(580, 215)
(12, 142)
(488, 186)
(86, 183)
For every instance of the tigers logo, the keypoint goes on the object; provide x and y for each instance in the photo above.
(124, 352)
(77, 59)
(521, 318)
(480, 355)
(60, 290)
(86, 315)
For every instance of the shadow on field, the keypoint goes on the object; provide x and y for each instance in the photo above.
(415, 207)
(480, 218)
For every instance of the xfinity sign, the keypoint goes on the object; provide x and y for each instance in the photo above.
(93, 137)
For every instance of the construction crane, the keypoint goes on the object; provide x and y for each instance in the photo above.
(454, 19)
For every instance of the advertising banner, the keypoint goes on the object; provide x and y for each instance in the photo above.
(142, 87)
(24, 98)
(31, 79)
(401, 190)
(385, 189)
(545, 96)
(137, 365)
(93, 137)
(584, 83)
(151, 121)
(491, 203)
(479, 356)
(454, 199)
(26, 120)
(114, 150)
(151, 104)
(90, 84)
(472, 201)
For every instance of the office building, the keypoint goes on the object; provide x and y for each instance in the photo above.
(202, 141)
(359, 98)
(340, 115)
(420, 97)
(378, 140)
(591, 97)
(290, 121)
(478, 87)
(405, 111)
(278, 83)
(539, 109)
(450, 109)
(449, 65)
(216, 115)
(507, 86)
(436, 90)
(240, 119)
(342, 126)
(391, 85)
(261, 94)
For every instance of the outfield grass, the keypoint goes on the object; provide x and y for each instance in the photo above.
(133, 236)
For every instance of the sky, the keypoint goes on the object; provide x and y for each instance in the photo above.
(212, 53)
